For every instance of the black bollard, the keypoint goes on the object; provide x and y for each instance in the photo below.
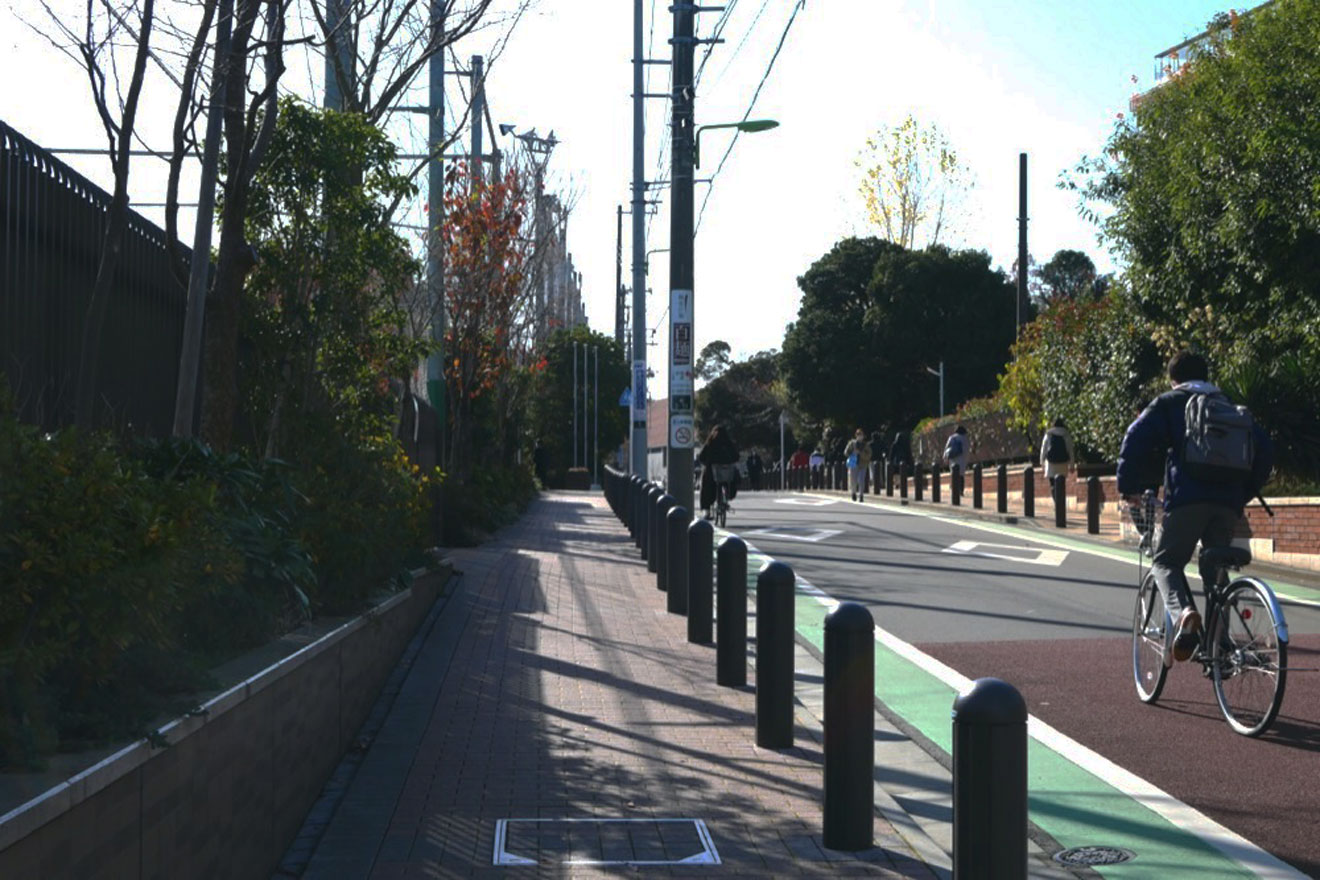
(919, 481)
(731, 613)
(1001, 488)
(676, 559)
(849, 727)
(889, 479)
(977, 475)
(935, 473)
(955, 485)
(775, 586)
(660, 544)
(1029, 491)
(1093, 505)
(700, 598)
(990, 782)
(902, 480)
(652, 513)
(1060, 492)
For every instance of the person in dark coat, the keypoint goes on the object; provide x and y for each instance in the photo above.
(754, 468)
(719, 449)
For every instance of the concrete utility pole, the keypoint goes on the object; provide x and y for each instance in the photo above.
(638, 434)
(478, 170)
(337, 45)
(595, 417)
(435, 268)
(619, 304)
(679, 472)
(185, 397)
(575, 401)
(1022, 243)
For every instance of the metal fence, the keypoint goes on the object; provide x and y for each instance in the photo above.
(52, 221)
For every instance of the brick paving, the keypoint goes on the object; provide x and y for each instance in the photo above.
(554, 685)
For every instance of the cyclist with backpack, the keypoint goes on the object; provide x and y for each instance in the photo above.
(1214, 459)
(1056, 451)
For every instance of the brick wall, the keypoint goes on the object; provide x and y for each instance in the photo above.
(230, 792)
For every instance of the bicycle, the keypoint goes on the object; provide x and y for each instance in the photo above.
(723, 474)
(1244, 643)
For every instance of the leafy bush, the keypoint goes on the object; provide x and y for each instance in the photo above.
(488, 500)
(99, 561)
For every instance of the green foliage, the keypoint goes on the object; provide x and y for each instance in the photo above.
(1215, 207)
(487, 500)
(550, 404)
(1090, 363)
(874, 316)
(1068, 274)
(713, 361)
(913, 183)
(747, 398)
(327, 317)
(99, 561)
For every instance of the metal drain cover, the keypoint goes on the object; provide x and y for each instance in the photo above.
(1094, 855)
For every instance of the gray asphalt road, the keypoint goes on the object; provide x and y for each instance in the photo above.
(932, 580)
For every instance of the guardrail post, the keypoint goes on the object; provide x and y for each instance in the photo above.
(1093, 505)
(775, 586)
(1060, 492)
(700, 598)
(955, 485)
(660, 540)
(731, 613)
(849, 727)
(676, 562)
(1001, 488)
(1029, 491)
(990, 782)
(977, 497)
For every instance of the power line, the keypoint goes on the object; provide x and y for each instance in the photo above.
(751, 106)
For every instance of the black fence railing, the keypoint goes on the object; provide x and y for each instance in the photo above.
(52, 221)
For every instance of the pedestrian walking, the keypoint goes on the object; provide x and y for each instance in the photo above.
(857, 454)
(754, 468)
(1056, 451)
(956, 449)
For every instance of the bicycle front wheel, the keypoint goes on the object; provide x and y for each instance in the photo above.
(721, 510)
(1249, 658)
(1151, 627)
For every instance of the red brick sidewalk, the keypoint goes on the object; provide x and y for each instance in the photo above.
(555, 686)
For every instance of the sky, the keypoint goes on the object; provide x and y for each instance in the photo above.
(1048, 79)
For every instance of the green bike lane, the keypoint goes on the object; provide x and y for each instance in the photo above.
(1076, 796)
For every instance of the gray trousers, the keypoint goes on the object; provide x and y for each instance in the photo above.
(1175, 541)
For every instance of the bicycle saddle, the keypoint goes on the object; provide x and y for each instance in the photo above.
(1225, 557)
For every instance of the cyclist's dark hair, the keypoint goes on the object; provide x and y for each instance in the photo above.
(1188, 366)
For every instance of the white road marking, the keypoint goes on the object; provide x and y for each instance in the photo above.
(1037, 555)
(805, 501)
(796, 534)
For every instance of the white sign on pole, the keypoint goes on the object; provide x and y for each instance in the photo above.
(680, 432)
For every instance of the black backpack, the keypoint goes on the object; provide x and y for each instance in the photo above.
(1220, 443)
(1057, 449)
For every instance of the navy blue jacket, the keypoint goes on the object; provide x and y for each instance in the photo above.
(1154, 442)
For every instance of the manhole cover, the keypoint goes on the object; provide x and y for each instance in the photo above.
(1094, 855)
(603, 842)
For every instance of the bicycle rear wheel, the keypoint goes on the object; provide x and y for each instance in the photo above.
(1151, 627)
(1248, 659)
(721, 508)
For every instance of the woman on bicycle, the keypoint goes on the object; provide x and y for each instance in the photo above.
(718, 449)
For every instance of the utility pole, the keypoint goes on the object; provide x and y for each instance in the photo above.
(185, 397)
(575, 402)
(679, 472)
(586, 449)
(619, 304)
(1022, 243)
(940, 373)
(638, 433)
(435, 268)
(478, 169)
(595, 417)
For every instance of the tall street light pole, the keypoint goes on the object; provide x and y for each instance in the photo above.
(940, 373)
(637, 434)
(679, 471)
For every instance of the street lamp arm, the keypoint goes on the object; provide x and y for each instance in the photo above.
(747, 125)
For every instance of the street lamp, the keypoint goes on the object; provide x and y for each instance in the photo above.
(940, 373)
(749, 126)
(685, 159)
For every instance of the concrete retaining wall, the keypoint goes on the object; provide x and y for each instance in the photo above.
(231, 790)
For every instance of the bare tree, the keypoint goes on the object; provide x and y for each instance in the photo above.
(117, 106)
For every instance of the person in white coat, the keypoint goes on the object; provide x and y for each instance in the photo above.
(1056, 451)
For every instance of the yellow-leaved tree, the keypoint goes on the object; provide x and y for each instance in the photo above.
(914, 186)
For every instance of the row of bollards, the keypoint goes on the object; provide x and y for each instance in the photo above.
(989, 719)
